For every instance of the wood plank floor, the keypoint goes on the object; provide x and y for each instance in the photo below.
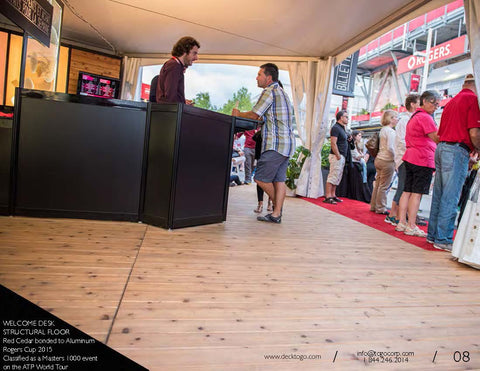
(225, 296)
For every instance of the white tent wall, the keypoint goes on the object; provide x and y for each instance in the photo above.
(312, 81)
(131, 68)
(472, 20)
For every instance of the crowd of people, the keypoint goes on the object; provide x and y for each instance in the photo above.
(412, 146)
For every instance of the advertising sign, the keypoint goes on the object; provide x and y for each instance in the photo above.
(438, 53)
(32, 16)
(145, 94)
(344, 76)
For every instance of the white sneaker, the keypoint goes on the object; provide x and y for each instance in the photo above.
(443, 246)
(401, 227)
(416, 232)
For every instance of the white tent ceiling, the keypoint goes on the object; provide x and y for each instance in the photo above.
(286, 28)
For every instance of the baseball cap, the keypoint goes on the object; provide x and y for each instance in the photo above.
(469, 78)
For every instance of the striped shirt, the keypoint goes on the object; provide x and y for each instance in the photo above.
(277, 112)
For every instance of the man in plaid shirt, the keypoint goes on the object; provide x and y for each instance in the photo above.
(276, 112)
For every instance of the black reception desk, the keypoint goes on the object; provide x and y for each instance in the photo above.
(84, 157)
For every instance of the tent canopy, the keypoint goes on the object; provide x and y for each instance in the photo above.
(282, 28)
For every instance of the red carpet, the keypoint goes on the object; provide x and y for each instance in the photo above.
(360, 212)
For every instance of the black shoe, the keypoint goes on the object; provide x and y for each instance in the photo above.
(336, 199)
(421, 221)
(270, 218)
(330, 200)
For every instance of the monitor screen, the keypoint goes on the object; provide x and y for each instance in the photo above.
(97, 86)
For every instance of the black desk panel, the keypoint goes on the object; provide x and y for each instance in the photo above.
(189, 155)
(78, 158)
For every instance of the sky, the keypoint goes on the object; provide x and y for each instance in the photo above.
(220, 80)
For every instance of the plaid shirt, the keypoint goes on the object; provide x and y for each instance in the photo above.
(277, 111)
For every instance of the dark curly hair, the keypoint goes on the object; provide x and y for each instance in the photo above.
(184, 45)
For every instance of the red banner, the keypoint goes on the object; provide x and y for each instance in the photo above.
(440, 52)
(145, 92)
(414, 83)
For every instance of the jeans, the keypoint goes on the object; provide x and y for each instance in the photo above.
(451, 166)
(364, 170)
(249, 161)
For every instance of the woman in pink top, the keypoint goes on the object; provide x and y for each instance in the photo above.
(421, 140)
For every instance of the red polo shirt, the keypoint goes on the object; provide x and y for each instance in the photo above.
(459, 115)
(249, 142)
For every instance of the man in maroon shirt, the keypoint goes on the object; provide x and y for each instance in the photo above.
(459, 134)
(171, 82)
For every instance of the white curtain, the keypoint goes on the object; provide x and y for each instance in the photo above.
(312, 89)
(131, 67)
(472, 20)
(298, 76)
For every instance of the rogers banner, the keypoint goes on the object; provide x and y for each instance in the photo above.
(440, 52)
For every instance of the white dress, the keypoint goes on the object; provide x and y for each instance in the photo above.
(466, 246)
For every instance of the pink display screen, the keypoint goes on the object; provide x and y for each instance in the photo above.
(97, 86)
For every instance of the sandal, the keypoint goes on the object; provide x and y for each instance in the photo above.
(330, 200)
(270, 218)
(416, 232)
(259, 209)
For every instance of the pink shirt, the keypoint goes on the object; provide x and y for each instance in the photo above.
(420, 148)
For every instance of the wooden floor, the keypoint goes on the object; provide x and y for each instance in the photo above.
(225, 296)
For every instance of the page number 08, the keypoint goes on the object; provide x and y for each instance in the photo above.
(461, 356)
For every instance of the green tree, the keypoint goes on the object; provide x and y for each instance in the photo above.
(202, 100)
(243, 96)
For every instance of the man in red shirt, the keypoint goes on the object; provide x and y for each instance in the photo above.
(171, 82)
(459, 134)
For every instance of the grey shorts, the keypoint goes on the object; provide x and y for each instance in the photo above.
(271, 167)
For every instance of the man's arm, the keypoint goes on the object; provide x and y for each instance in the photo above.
(475, 138)
(247, 115)
(333, 144)
(434, 136)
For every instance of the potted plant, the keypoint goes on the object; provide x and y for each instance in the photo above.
(389, 106)
(295, 165)
(325, 162)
